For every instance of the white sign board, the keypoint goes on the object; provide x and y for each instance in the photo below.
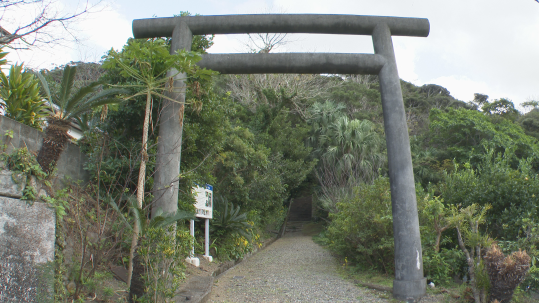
(204, 201)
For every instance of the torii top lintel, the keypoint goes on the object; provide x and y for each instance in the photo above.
(281, 23)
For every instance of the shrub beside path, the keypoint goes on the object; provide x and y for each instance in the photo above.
(293, 269)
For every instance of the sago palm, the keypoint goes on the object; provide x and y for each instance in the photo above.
(67, 106)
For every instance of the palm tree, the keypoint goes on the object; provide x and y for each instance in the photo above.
(349, 152)
(67, 106)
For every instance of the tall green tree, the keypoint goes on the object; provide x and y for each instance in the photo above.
(150, 83)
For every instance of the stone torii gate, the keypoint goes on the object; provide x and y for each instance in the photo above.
(409, 283)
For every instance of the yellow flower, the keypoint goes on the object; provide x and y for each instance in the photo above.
(168, 251)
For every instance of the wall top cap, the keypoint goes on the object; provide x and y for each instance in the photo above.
(281, 23)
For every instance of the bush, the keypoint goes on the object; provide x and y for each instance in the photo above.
(440, 267)
(233, 232)
(362, 229)
(513, 193)
(162, 251)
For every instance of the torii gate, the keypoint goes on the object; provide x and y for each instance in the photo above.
(409, 283)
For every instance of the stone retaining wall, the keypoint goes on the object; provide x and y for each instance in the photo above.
(71, 161)
(27, 229)
(27, 236)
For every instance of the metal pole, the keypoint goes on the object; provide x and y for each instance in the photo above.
(409, 284)
(192, 226)
(207, 241)
(170, 133)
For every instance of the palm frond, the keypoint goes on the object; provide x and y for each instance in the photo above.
(94, 101)
(80, 96)
(66, 86)
(161, 221)
(47, 90)
(117, 209)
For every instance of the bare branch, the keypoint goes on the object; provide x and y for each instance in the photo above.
(248, 89)
(25, 29)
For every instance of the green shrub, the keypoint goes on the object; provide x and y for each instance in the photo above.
(233, 232)
(440, 267)
(21, 160)
(229, 220)
(162, 250)
(530, 243)
(362, 229)
(513, 193)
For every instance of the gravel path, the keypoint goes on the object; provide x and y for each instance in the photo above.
(293, 269)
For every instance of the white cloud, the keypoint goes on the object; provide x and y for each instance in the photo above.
(106, 29)
(485, 46)
(227, 44)
(461, 87)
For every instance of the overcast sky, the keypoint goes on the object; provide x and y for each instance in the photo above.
(478, 46)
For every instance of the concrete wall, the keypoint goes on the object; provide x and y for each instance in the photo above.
(27, 236)
(71, 161)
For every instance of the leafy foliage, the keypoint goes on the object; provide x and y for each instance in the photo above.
(463, 133)
(228, 220)
(350, 152)
(162, 250)
(362, 229)
(68, 105)
(20, 98)
(21, 160)
(511, 192)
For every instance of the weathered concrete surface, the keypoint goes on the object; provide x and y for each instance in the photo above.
(27, 237)
(195, 290)
(11, 184)
(281, 23)
(167, 166)
(293, 63)
(71, 161)
(409, 284)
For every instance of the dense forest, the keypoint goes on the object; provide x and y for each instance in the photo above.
(262, 140)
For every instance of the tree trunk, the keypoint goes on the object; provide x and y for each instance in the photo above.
(54, 143)
(134, 241)
(137, 283)
(471, 267)
(144, 153)
(140, 193)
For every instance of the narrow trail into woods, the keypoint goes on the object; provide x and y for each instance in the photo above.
(293, 269)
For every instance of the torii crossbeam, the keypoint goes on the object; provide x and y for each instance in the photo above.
(409, 283)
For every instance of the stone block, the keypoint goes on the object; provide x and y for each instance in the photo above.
(30, 138)
(39, 187)
(11, 184)
(69, 162)
(7, 124)
(27, 237)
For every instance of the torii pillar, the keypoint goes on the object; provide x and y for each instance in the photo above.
(409, 284)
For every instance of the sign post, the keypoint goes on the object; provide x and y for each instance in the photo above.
(204, 209)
